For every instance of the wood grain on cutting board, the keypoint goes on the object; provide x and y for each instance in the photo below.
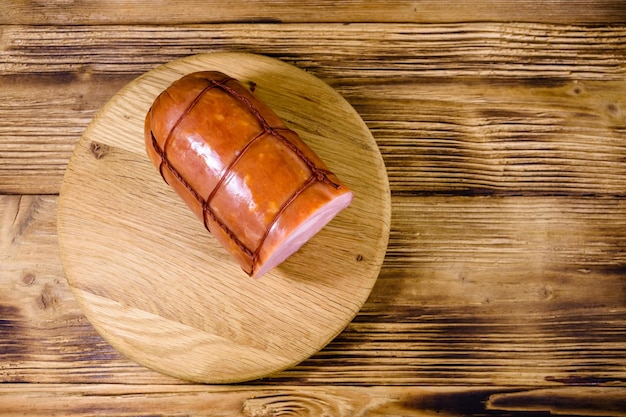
(161, 290)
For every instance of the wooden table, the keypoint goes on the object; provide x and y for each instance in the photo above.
(503, 129)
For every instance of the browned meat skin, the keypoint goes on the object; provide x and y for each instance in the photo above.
(236, 164)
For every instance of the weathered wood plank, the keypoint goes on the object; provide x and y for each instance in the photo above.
(490, 137)
(256, 401)
(481, 290)
(468, 108)
(353, 52)
(42, 118)
(195, 11)
(487, 139)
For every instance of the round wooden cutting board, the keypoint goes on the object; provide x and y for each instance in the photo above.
(154, 282)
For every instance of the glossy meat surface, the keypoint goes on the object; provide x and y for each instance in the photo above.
(256, 186)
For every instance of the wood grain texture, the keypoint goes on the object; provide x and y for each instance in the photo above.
(474, 291)
(43, 117)
(490, 107)
(246, 401)
(348, 52)
(84, 12)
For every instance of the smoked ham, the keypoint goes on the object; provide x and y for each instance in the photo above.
(256, 186)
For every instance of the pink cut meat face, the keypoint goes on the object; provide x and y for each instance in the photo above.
(304, 231)
(254, 184)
